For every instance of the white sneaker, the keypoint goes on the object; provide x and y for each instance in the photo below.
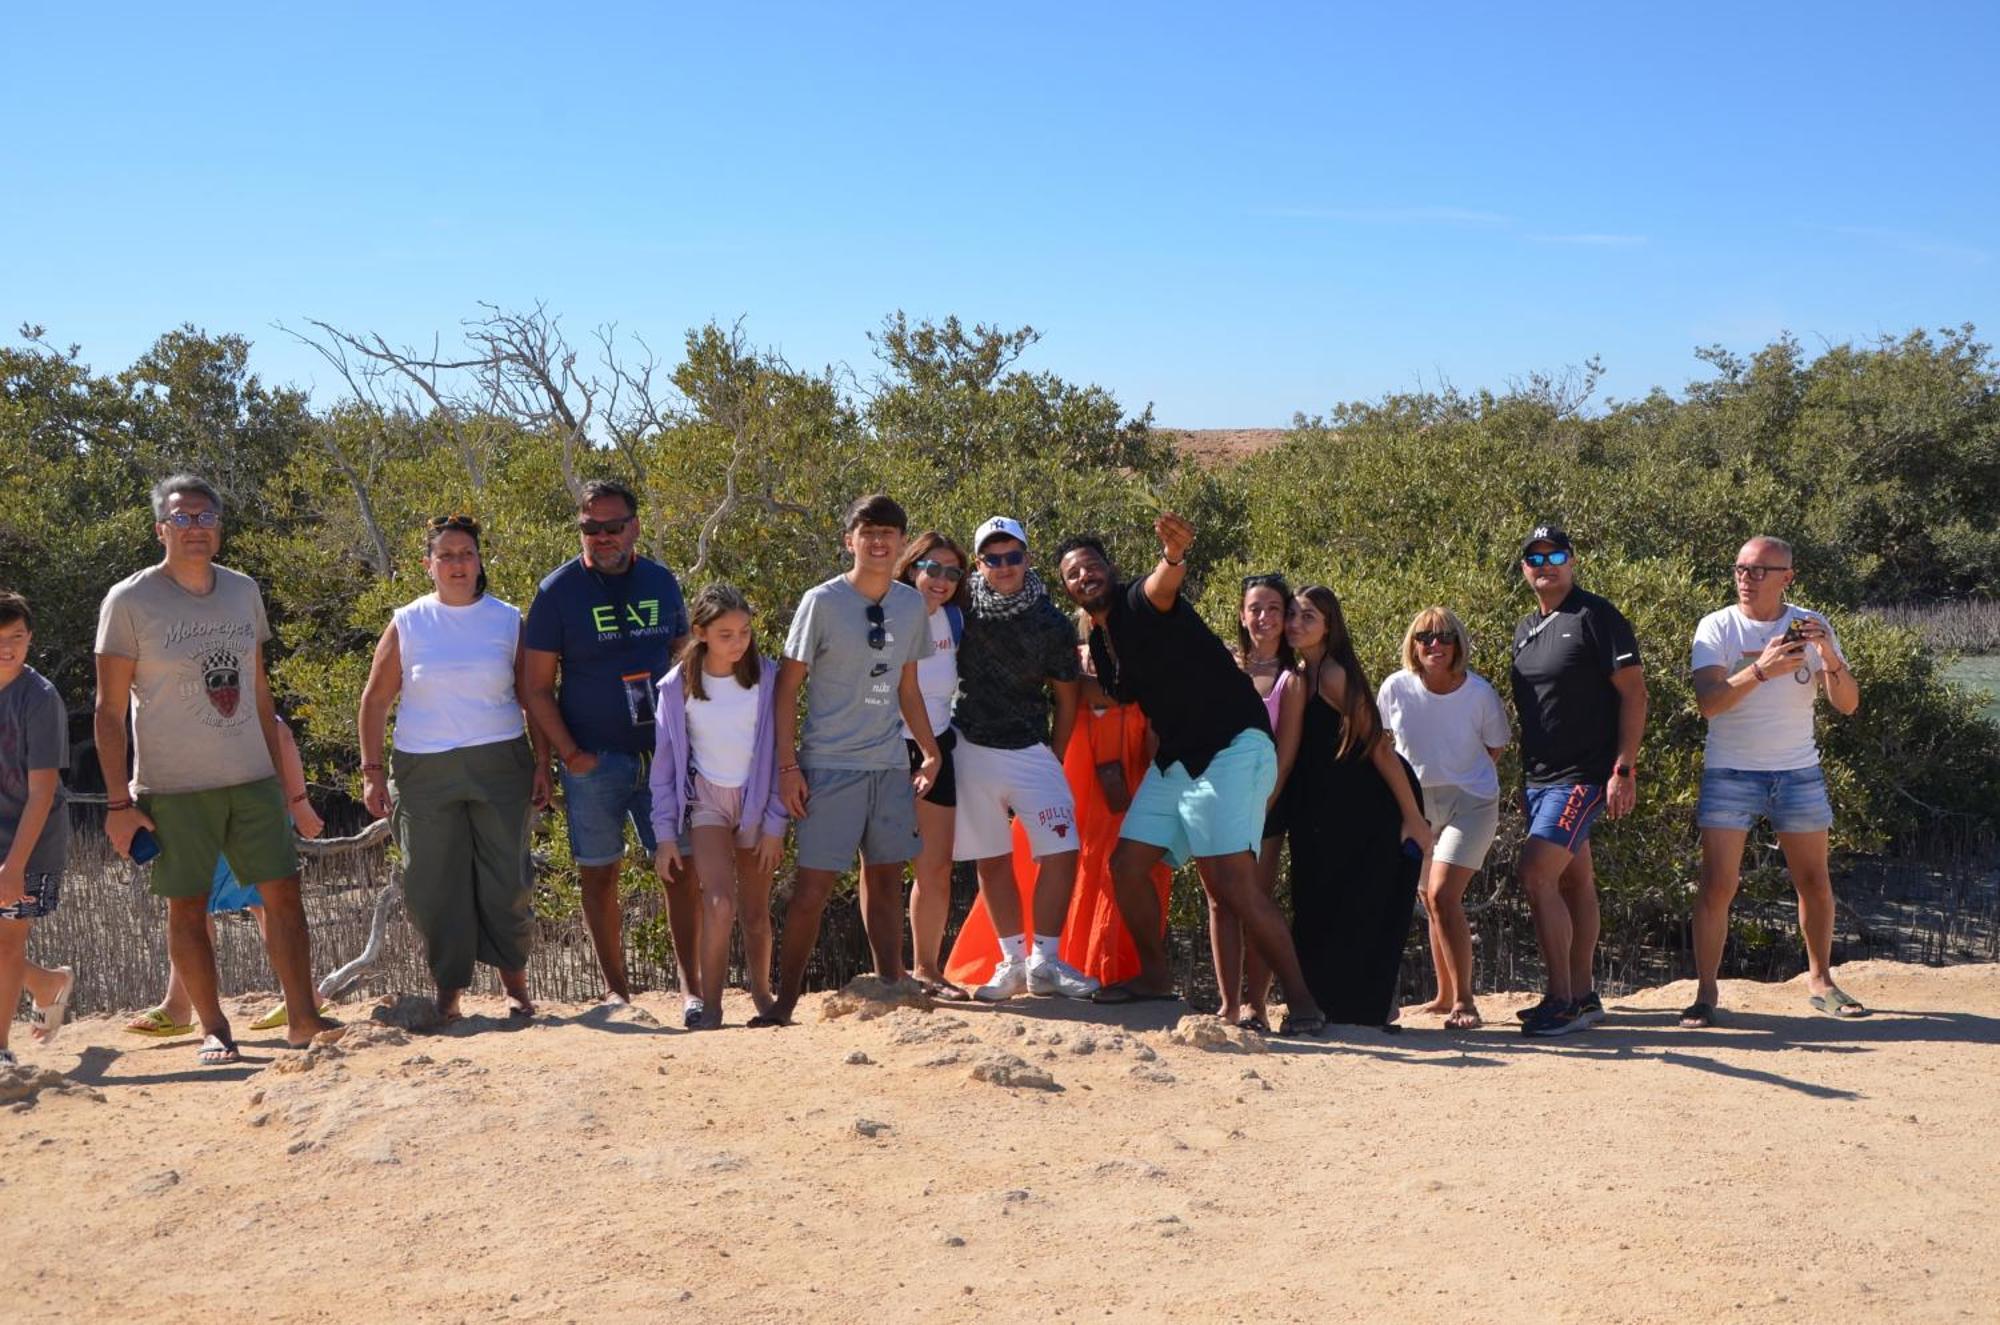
(1051, 977)
(1009, 978)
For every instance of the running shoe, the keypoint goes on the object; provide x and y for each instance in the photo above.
(1052, 977)
(1589, 1010)
(1533, 1010)
(1009, 978)
(1554, 1019)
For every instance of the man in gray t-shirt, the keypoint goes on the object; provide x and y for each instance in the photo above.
(180, 648)
(847, 784)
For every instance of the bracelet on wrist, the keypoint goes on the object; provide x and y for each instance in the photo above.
(296, 799)
(1757, 670)
(113, 807)
(1171, 562)
(788, 768)
(371, 768)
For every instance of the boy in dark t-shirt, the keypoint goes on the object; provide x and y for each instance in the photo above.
(1018, 650)
(34, 829)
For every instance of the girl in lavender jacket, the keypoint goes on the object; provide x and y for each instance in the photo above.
(715, 794)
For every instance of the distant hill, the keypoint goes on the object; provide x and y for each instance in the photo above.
(1222, 446)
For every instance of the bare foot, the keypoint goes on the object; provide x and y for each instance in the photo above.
(449, 1011)
(763, 1000)
(518, 1003)
(302, 1031)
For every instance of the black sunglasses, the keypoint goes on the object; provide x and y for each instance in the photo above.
(878, 633)
(1436, 637)
(997, 559)
(938, 568)
(616, 526)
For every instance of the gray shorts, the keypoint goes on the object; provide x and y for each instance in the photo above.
(1464, 824)
(870, 810)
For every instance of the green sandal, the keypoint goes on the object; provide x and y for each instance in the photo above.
(1837, 1002)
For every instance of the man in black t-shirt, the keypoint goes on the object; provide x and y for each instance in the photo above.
(1019, 649)
(1581, 696)
(1206, 794)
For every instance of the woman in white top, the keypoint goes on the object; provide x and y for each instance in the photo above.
(1449, 724)
(462, 784)
(935, 565)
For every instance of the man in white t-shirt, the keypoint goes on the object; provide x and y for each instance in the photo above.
(1759, 667)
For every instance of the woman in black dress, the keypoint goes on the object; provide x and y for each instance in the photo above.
(1356, 823)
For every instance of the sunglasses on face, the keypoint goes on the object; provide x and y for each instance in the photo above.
(995, 560)
(1755, 574)
(939, 570)
(188, 519)
(1539, 559)
(1428, 637)
(878, 633)
(616, 526)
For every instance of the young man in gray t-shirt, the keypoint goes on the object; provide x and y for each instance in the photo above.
(847, 780)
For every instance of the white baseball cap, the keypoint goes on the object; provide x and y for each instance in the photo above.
(999, 526)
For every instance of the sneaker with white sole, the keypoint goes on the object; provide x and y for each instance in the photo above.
(1052, 977)
(1009, 978)
(1589, 1010)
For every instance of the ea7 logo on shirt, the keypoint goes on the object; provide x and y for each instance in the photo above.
(222, 681)
(641, 616)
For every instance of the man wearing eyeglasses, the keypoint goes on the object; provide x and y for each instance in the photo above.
(1018, 651)
(608, 621)
(1759, 667)
(846, 778)
(1581, 696)
(180, 648)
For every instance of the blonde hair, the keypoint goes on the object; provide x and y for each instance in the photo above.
(1436, 618)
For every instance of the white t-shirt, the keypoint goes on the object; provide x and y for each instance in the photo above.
(937, 675)
(1771, 728)
(458, 674)
(722, 730)
(1446, 737)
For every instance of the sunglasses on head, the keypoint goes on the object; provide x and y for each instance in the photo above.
(1556, 558)
(999, 559)
(878, 632)
(616, 526)
(187, 519)
(464, 523)
(1436, 637)
(939, 569)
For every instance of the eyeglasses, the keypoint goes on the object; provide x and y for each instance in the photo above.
(1755, 574)
(878, 633)
(463, 523)
(187, 519)
(939, 569)
(616, 526)
(1436, 637)
(995, 560)
(1539, 559)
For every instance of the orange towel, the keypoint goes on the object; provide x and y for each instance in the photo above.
(1094, 938)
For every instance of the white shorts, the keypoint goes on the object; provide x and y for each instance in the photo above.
(1028, 782)
(1464, 824)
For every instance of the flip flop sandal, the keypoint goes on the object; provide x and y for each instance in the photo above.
(764, 1021)
(47, 1020)
(1126, 993)
(1462, 1020)
(1252, 1022)
(277, 1017)
(155, 1022)
(1303, 1027)
(1837, 1002)
(1697, 1016)
(218, 1052)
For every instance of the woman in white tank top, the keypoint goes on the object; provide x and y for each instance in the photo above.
(462, 784)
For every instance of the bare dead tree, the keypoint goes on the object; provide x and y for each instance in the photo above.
(380, 558)
(739, 394)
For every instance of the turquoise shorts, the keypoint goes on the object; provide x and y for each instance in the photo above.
(1217, 814)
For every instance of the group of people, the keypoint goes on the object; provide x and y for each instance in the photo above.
(952, 711)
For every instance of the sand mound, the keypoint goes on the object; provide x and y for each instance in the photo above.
(906, 1162)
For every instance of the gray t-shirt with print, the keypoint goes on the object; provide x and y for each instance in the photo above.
(852, 717)
(194, 690)
(34, 736)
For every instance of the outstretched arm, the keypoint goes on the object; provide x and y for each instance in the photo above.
(1163, 582)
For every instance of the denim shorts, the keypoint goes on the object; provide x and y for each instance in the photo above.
(1793, 799)
(40, 895)
(599, 803)
(1217, 814)
(1562, 814)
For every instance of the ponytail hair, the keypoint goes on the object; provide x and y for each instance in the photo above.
(710, 605)
(1362, 725)
(453, 524)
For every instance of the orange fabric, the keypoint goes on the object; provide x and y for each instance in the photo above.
(1094, 939)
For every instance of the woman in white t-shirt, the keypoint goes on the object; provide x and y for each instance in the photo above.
(1449, 724)
(461, 784)
(935, 565)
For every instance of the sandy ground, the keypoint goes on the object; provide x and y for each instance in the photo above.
(1780, 1167)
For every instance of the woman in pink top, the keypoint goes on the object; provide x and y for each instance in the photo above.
(1264, 655)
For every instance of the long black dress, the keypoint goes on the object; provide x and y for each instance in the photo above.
(1353, 888)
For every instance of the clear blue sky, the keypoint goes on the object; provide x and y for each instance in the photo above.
(1231, 211)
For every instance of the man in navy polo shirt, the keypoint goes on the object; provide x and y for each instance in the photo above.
(1581, 697)
(609, 621)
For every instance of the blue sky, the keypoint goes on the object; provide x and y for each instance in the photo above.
(1231, 211)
